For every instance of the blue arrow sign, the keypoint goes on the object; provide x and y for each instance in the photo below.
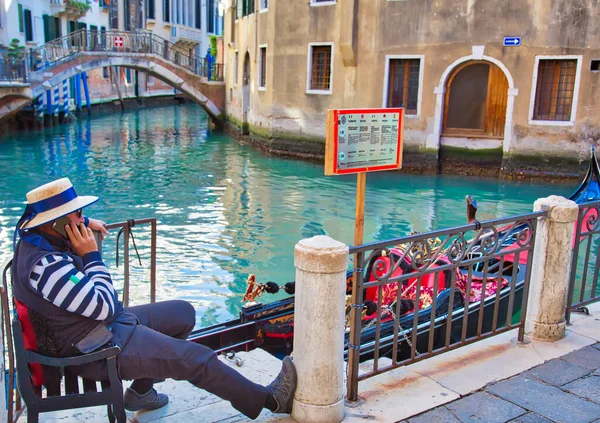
(512, 41)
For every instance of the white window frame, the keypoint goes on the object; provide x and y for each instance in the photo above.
(571, 121)
(236, 65)
(262, 9)
(309, 68)
(261, 67)
(314, 3)
(386, 80)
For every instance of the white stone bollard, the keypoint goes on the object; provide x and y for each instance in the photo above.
(319, 315)
(551, 266)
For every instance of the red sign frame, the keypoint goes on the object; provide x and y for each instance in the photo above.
(331, 160)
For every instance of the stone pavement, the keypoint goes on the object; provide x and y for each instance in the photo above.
(566, 389)
(494, 380)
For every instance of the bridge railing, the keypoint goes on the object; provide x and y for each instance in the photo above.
(13, 70)
(62, 48)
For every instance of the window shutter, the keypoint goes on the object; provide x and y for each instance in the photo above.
(20, 10)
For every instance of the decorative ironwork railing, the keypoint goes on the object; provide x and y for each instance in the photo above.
(583, 281)
(13, 70)
(422, 295)
(83, 40)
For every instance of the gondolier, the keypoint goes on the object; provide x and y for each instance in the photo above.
(60, 277)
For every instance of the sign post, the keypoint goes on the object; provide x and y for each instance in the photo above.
(360, 141)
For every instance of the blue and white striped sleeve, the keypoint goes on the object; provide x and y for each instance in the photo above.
(91, 294)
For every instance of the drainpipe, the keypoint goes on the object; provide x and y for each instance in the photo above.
(256, 31)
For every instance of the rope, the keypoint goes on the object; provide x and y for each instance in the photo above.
(130, 224)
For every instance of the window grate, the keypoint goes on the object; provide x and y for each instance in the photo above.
(321, 68)
(403, 89)
(555, 88)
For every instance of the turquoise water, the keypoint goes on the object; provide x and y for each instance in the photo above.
(225, 210)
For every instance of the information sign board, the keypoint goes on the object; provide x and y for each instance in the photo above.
(363, 140)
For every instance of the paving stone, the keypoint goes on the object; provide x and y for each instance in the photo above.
(530, 418)
(557, 372)
(588, 357)
(588, 387)
(545, 400)
(483, 407)
(438, 415)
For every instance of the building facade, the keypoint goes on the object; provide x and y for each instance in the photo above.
(188, 24)
(514, 79)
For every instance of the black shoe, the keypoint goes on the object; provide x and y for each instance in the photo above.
(284, 386)
(151, 400)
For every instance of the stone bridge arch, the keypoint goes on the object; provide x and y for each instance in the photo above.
(208, 94)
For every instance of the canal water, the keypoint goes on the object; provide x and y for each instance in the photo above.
(225, 210)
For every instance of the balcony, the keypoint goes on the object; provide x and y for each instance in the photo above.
(185, 36)
(70, 9)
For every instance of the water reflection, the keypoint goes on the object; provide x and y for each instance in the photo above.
(224, 210)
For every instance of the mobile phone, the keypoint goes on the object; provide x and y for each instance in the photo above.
(59, 225)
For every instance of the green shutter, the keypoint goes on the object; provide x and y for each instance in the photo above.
(20, 9)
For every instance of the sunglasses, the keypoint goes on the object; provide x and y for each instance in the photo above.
(79, 213)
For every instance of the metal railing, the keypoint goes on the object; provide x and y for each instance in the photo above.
(83, 40)
(125, 228)
(431, 293)
(13, 70)
(583, 281)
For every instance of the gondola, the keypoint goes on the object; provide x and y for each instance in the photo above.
(270, 325)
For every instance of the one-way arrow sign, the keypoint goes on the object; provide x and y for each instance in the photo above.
(512, 41)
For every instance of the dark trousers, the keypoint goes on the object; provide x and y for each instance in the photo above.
(157, 349)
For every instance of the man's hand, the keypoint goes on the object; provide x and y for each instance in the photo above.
(98, 226)
(82, 239)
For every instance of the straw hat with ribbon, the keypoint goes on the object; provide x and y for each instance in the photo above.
(52, 201)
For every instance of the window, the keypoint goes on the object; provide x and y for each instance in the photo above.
(262, 68)
(128, 75)
(198, 23)
(595, 65)
(320, 68)
(210, 16)
(20, 10)
(105, 72)
(264, 5)
(555, 89)
(167, 10)
(244, 8)
(235, 68)
(150, 9)
(322, 2)
(28, 23)
(403, 84)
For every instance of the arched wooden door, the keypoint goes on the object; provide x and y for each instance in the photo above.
(475, 102)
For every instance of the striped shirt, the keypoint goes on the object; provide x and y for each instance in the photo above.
(90, 294)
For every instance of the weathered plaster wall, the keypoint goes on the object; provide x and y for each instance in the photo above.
(443, 31)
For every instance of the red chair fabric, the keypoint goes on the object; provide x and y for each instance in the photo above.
(37, 374)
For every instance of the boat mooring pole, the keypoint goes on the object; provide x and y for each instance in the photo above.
(355, 313)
